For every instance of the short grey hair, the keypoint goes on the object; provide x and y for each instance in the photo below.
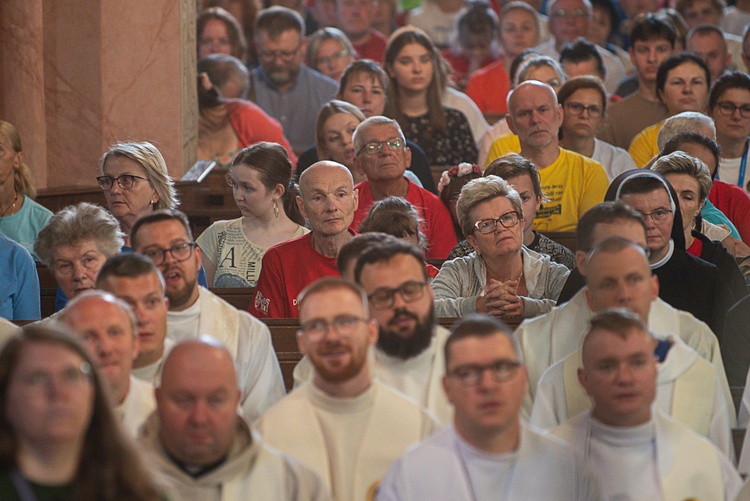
(685, 122)
(150, 158)
(358, 140)
(681, 163)
(538, 62)
(76, 223)
(104, 296)
(481, 190)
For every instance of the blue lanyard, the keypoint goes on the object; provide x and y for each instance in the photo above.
(743, 165)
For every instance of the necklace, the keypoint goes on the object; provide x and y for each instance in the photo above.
(11, 207)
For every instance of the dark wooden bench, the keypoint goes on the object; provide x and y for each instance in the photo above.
(565, 238)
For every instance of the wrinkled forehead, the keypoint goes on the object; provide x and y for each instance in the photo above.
(326, 179)
(532, 94)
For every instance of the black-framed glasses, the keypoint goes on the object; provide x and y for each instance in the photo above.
(562, 13)
(180, 252)
(657, 216)
(487, 226)
(385, 297)
(333, 57)
(471, 375)
(343, 325)
(727, 108)
(285, 55)
(125, 182)
(374, 147)
(594, 111)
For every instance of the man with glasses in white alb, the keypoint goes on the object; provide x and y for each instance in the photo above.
(165, 237)
(381, 152)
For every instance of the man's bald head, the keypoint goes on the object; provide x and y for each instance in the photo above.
(324, 168)
(197, 402)
(530, 87)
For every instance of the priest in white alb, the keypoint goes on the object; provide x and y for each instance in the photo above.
(343, 424)
(633, 451)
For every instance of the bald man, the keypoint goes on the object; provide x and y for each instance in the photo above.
(202, 447)
(107, 326)
(328, 200)
(571, 182)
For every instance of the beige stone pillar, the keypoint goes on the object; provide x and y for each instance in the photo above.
(78, 75)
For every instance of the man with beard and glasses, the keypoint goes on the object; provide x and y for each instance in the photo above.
(407, 353)
(343, 424)
(283, 87)
(165, 237)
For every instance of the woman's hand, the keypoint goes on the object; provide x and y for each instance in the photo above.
(500, 299)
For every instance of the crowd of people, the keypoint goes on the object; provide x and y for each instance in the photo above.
(399, 168)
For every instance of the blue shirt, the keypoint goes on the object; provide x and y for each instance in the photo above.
(714, 216)
(19, 283)
(296, 108)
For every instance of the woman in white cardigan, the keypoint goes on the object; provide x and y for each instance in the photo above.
(501, 277)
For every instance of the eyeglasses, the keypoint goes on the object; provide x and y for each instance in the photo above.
(179, 252)
(285, 55)
(487, 226)
(578, 108)
(657, 216)
(125, 182)
(727, 108)
(471, 375)
(385, 297)
(70, 377)
(373, 148)
(562, 13)
(90, 261)
(343, 325)
(335, 56)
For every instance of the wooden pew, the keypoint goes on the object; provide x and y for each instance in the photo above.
(239, 297)
(47, 289)
(566, 238)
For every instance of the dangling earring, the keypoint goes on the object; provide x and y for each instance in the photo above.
(276, 208)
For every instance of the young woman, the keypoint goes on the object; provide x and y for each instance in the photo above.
(261, 180)
(417, 78)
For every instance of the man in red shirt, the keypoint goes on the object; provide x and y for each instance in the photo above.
(354, 17)
(382, 154)
(328, 200)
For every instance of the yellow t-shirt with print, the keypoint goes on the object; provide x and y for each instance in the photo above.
(644, 146)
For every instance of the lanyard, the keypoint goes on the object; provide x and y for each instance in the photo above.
(22, 487)
(743, 165)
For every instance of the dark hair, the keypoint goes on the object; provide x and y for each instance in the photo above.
(676, 143)
(606, 213)
(733, 80)
(647, 27)
(386, 251)
(127, 264)
(683, 5)
(678, 60)
(436, 114)
(676, 21)
(394, 216)
(476, 325)
(234, 31)
(222, 68)
(276, 20)
(583, 82)
(521, 58)
(250, 10)
(354, 247)
(109, 467)
(366, 66)
(477, 18)
(609, 7)
(272, 163)
(513, 165)
(581, 51)
(160, 216)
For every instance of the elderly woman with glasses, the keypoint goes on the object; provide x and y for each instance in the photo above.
(135, 182)
(501, 277)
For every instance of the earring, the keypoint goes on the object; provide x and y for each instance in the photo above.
(276, 208)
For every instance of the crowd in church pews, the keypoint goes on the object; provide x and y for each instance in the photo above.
(443, 250)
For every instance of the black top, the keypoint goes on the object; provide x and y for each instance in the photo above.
(452, 147)
(715, 253)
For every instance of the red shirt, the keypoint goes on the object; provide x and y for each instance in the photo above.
(489, 88)
(374, 48)
(288, 268)
(437, 225)
(695, 248)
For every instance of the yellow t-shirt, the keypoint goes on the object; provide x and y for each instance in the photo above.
(507, 143)
(572, 185)
(643, 147)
